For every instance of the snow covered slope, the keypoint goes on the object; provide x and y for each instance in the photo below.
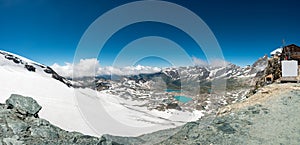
(83, 110)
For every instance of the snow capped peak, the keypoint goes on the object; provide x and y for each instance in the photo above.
(259, 65)
(277, 51)
(15, 62)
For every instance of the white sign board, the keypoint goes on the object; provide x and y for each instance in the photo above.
(289, 68)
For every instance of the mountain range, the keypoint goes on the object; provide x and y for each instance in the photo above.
(129, 105)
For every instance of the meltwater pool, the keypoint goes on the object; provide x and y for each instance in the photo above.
(183, 99)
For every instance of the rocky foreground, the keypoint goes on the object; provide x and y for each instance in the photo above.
(271, 116)
(20, 124)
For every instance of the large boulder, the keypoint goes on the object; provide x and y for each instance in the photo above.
(24, 105)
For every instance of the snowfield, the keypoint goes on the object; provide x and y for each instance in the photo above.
(84, 110)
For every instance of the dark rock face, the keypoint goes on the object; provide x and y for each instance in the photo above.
(173, 106)
(56, 76)
(14, 59)
(30, 67)
(48, 70)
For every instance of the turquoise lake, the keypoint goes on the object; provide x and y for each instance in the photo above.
(172, 90)
(183, 99)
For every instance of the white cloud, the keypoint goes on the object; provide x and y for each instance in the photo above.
(139, 69)
(218, 62)
(212, 63)
(199, 62)
(85, 68)
(91, 67)
(128, 70)
(65, 70)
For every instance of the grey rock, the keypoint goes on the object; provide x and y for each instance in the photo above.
(115, 140)
(251, 108)
(44, 132)
(12, 141)
(227, 128)
(25, 105)
(39, 122)
(219, 120)
(256, 111)
(86, 140)
(17, 126)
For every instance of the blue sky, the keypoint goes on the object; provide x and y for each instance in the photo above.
(48, 31)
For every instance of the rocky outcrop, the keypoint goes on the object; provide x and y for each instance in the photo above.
(273, 68)
(259, 65)
(56, 76)
(268, 75)
(30, 67)
(19, 124)
(13, 58)
(23, 105)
